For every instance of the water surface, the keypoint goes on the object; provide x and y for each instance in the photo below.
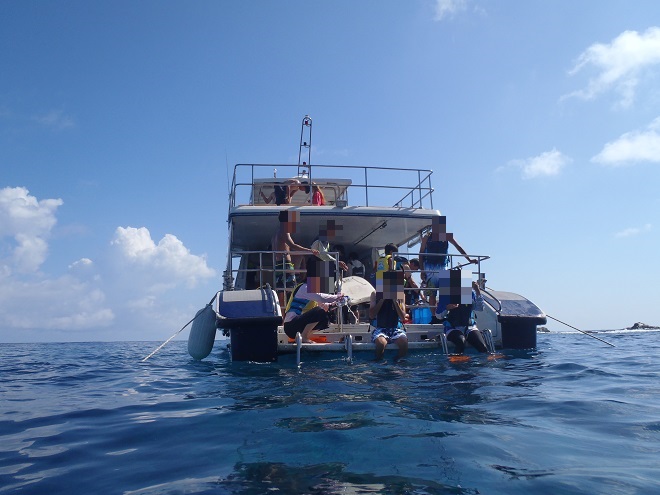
(572, 417)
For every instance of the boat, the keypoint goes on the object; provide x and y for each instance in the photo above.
(369, 206)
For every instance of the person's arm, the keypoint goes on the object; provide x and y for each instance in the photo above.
(268, 199)
(399, 310)
(460, 249)
(477, 298)
(443, 315)
(319, 297)
(292, 244)
(422, 250)
(374, 307)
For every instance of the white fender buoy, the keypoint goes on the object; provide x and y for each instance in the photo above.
(202, 333)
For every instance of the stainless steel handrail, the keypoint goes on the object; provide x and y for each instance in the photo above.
(418, 194)
(499, 303)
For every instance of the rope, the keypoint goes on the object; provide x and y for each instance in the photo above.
(181, 330)
(586, 333)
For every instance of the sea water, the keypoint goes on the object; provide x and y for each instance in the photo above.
(574, 416)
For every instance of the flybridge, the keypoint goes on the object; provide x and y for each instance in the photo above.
(342, 185)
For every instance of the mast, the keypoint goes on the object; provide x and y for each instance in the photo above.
(304, 166)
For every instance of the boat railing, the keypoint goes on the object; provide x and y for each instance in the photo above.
(369, 186)
(266, 268)
(258, 268)
(453, 265)
(494, 299)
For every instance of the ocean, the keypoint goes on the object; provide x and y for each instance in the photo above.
(574, 416)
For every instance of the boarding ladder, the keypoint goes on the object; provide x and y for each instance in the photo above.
(305, 147)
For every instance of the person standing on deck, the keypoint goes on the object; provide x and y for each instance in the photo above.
(282, 244)
(436, 244)
(282, 192)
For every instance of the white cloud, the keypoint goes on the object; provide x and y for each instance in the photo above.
(619, 65)
(25, 225)
(633, 231)
(546, 164)
(82, 264)
(635, 146)
(55, 119)
(29, 299)
(127, 295)
(448, 8)
(164, 264)
(63, 303)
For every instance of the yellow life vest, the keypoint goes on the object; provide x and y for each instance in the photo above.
(383, 263)
(297, 304)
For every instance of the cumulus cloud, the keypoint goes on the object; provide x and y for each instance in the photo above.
(25, 225)
(633, 231)
(635, 146)
(547, 164)
(619, 65)
(164, 264)
(53, 304)
(125, 294)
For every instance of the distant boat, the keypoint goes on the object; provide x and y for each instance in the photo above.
(248, 309)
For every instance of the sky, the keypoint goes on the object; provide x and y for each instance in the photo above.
(120, 123)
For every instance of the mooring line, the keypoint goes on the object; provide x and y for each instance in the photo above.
(586, 333)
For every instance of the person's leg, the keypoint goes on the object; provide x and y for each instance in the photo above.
(476, 340)
(402, 344)
(309, 328)
(381, 343)
(432, 298)
(314, 319)
(456, 337)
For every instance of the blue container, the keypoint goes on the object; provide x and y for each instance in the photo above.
(421, 315)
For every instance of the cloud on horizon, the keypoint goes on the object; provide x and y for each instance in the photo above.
(619, 65)
(127, 289)
(631, 147)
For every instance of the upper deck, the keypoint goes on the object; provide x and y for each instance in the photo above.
(342, 185)
(371, 206)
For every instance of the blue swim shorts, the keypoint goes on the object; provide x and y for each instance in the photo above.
(391, 334)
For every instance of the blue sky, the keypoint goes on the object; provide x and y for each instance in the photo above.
(541, 121)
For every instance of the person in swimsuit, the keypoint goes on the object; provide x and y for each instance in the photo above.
(460, 324)
(385, 307)
(282, 244)
(432, 255)
(282, 192)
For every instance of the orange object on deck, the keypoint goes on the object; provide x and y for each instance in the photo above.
(319, 339)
